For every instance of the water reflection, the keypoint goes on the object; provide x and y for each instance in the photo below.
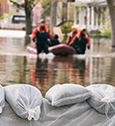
(11, 45)
(40, 75)
(111, 73)
(100, 46)
(45, 74)
(17, 66)
(102, 70)
(12, 69)
(69, 70)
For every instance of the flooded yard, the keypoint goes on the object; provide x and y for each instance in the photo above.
(17, 66)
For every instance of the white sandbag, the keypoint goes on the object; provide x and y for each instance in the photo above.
(25, 100)
(103, 98)
(67, 94)
(2, 99)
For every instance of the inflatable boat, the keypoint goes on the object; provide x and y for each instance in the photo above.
(31, 49)
(60, 49)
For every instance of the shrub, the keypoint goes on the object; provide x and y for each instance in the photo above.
(67, 25)
(23, 28)
(95, 32)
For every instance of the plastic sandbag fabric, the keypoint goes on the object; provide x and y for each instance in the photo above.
(79, 114)
(103, 98)
(65, 94)
(25, 100)
(2, 99)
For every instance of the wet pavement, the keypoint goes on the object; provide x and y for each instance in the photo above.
(17, 66)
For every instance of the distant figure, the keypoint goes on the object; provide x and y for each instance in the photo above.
(41, 36)
(72, 34)
(80, 41)
(55, 41)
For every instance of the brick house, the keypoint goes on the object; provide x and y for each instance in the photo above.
(4, 7)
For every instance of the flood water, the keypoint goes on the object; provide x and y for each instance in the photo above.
(17, 66)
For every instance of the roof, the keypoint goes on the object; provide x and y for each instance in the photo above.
(90, 3)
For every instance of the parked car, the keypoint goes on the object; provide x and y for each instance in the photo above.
(18, 19)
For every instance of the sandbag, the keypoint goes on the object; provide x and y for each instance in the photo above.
(25, 100)
(2, 99)
(102, 98)
(66, 94)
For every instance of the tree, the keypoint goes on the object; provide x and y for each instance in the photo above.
(63, 13)
(111, 4)
(46, 5)
(28, 6)
(53, 14)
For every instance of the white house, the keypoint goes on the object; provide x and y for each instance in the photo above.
(90, 14)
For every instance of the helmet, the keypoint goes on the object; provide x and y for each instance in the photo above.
(42, 21)
(73, 27)
(83, 29)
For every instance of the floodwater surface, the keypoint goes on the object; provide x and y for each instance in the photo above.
(17, 66)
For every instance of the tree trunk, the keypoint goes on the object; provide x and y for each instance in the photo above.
(28, 10)
(28, 23)
(53, 14)
(112, 17)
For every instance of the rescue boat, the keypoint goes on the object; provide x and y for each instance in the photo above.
(60, 49)
(31, 49)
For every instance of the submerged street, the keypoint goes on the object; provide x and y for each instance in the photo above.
(17, 66)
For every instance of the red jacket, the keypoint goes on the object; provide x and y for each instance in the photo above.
(39, 29)
(71, 35)
(79, 36)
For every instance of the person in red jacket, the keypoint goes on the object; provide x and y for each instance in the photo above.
(72, 34)
(41, 36)
(80, 41)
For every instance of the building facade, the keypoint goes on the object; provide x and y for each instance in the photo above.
(90, 14)
(36, 13)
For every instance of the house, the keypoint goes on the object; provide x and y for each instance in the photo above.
(90, 14)
(4, 7)
(14, 9)
(16, 14)
(36, 13)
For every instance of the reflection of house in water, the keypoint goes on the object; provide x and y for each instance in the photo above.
(99, 70)
(70, 70)
(112, 78)
(12, 70)
(76, 71)
(40, 76)
(12, 66)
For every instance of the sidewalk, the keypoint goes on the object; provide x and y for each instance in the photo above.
(12, 33)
